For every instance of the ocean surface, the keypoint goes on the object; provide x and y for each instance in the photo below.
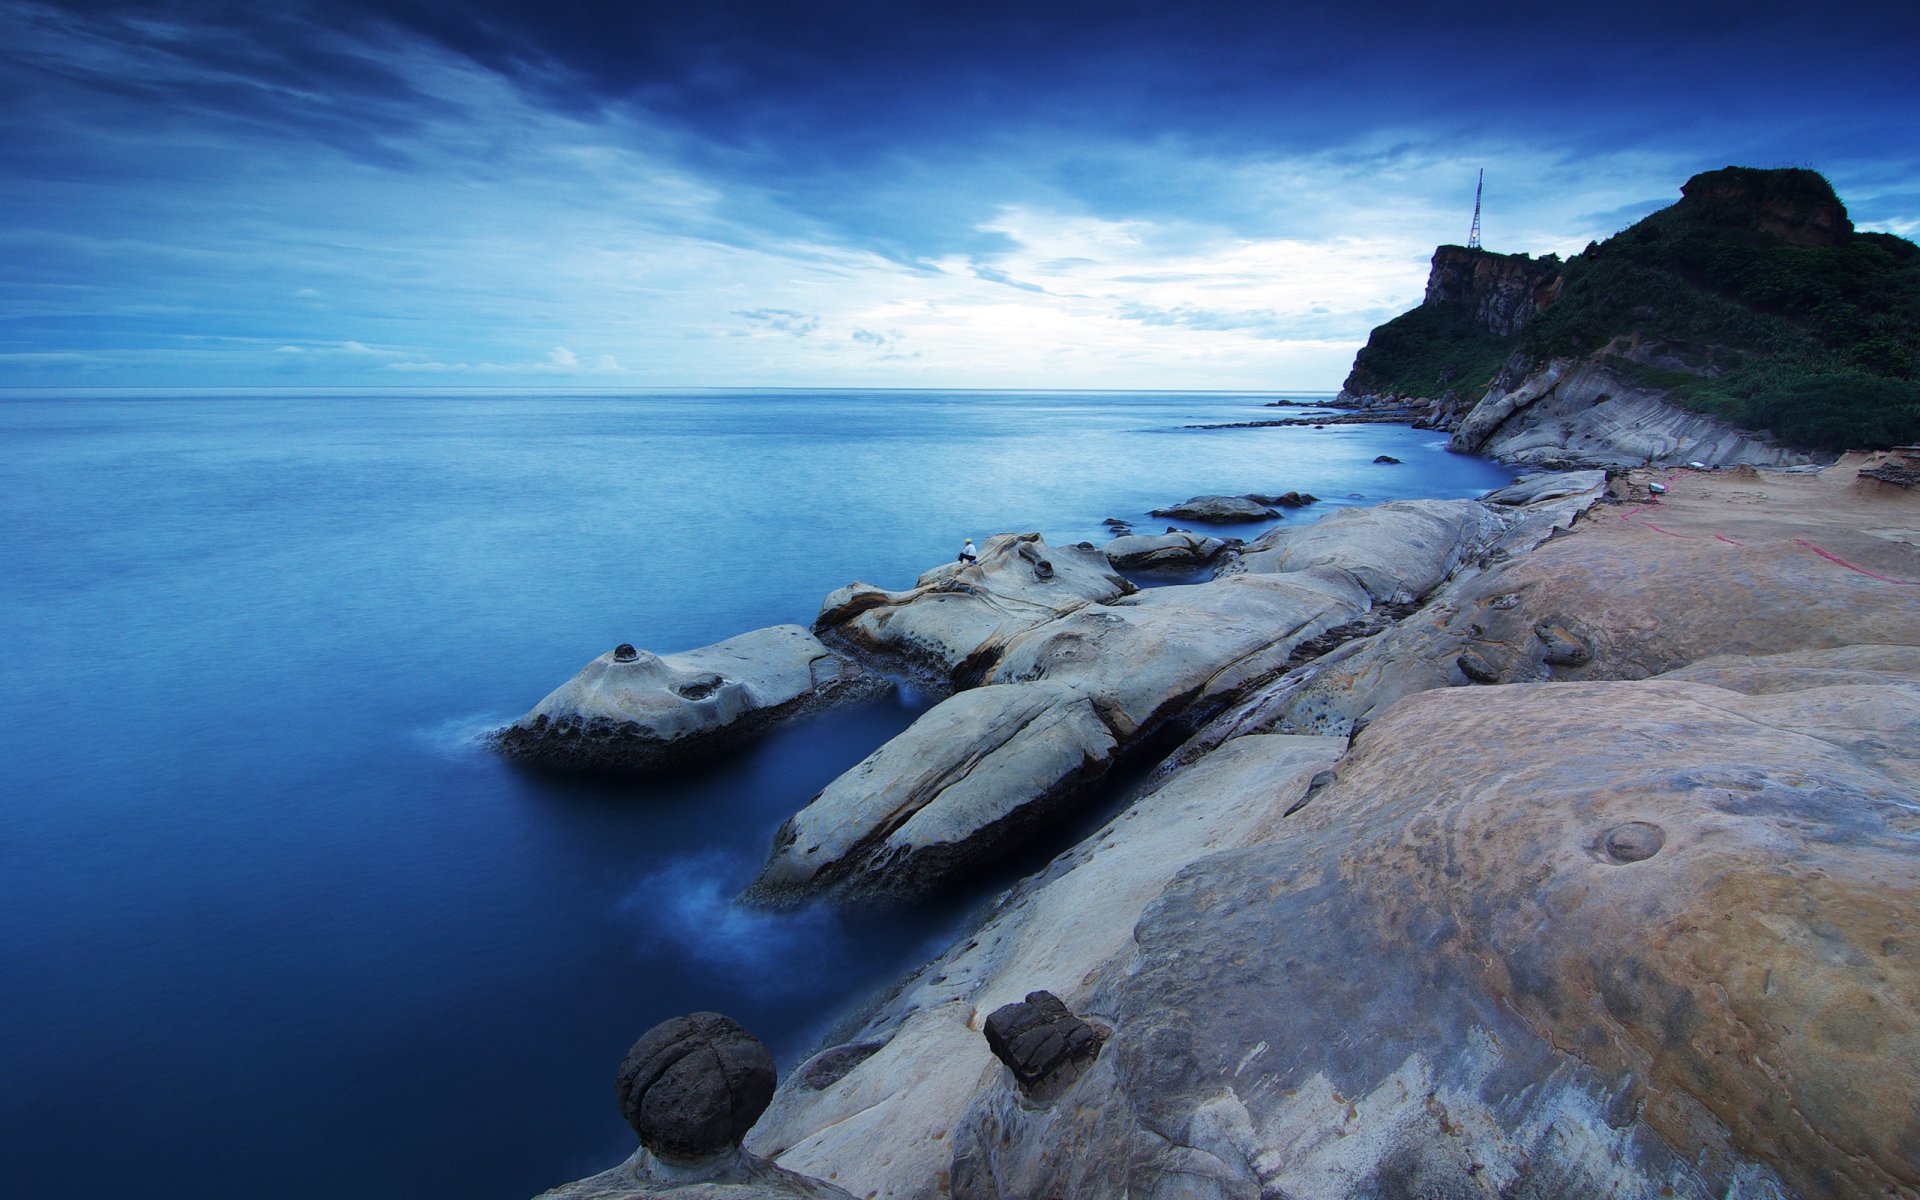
(272, 922)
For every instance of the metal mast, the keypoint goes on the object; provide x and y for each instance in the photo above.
(1473, 238)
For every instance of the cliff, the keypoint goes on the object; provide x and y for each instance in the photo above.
(1749, 322)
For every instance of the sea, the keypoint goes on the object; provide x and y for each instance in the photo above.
(273, 919)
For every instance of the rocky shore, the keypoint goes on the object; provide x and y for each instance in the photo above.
(1558, 843)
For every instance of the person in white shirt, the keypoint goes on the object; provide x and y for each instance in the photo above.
(968, 555)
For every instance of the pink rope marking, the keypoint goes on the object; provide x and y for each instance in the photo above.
(1668, 532)
(1849, 566)
(1729, 541)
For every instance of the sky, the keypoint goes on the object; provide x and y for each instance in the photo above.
(1214, 194)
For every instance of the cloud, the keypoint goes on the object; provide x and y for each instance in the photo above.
(782, 320)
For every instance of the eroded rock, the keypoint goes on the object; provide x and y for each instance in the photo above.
(951, 624)
(1170, 551)
(631, 710)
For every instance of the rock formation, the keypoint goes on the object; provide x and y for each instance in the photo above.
(631, 710)
(1219, 510)
(1174, 550)
(955, 618)
(1632, 920)
(692, 1087)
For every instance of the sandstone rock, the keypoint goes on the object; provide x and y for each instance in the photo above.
(1222, 510)
(1404, 548)
(1670, 963)
(975, 772)
(691, 1087)
(1548, 485)
(957, 613)
(889, 1124)
(1584, 412)
(1072, 696)
(629, 709)
(1045, 1046)
(1162, 552)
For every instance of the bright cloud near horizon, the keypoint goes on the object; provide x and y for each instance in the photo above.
(1100, 194)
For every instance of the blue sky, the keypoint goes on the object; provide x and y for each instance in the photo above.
(394, 193)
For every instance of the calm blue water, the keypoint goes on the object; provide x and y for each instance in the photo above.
(266, 912)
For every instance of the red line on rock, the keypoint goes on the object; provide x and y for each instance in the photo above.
(1849, 566)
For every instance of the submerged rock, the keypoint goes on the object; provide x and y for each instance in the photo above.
(631, 710)
(1217, 510)
(953, 621)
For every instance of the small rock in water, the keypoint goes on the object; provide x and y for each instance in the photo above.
(1388, 458)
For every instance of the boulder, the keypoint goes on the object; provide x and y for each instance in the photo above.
(1285, 499)
(958, 616)
(1044, 1045)
(1220, 510)
(1171, 551)
(692, 1087)
(631, 710)
(1547, 485)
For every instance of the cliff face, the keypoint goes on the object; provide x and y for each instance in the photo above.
(1749, 322)
(1501, 290)
(1447, 350)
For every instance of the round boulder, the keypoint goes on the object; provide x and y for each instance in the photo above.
(692, 1086)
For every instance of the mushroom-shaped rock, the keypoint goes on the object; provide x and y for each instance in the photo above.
(1219, 510)
(629, 709)
(1044, 1045)
(957, 616)
(1177, 550)
(691, 1087)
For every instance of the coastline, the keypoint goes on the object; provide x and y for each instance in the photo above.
(1312, 764)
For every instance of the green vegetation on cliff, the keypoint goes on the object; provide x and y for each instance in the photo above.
(1431, 350)
(1768, 310)
(1753, 299)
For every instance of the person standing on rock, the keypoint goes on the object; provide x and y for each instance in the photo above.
(968, 555)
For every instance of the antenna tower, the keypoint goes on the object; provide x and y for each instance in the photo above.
(1473, 238)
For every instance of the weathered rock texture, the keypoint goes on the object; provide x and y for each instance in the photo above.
(953, 621)
(1585, 412)
(1174, 550)
(629, 709)
(1501, 290)
(1579, 936)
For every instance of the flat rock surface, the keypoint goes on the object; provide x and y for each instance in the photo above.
(1406, 547)
(1731, 562)
(650, 710)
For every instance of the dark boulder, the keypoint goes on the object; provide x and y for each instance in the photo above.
(692, 1086)
(1044, 1045)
